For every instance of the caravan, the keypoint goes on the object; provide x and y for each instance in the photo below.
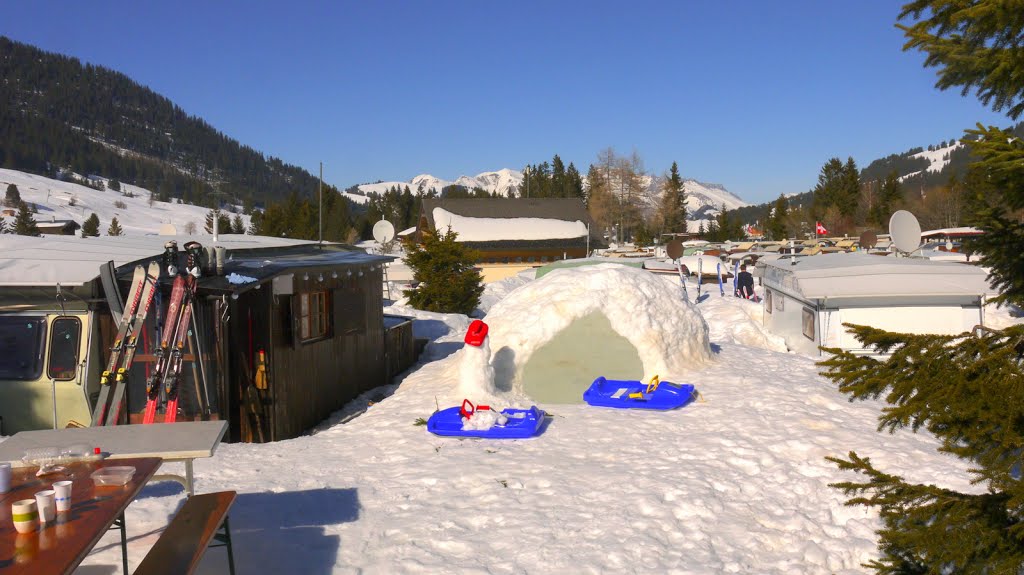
(807, 300)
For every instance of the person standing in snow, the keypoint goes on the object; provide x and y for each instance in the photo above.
(745, 283)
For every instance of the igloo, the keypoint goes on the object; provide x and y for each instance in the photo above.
(551, 337)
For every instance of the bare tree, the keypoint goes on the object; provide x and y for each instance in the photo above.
(190, 228)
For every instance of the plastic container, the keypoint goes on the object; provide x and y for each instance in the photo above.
(116, 475)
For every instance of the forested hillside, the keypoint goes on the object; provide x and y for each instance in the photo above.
(56, 112)
(934, 183)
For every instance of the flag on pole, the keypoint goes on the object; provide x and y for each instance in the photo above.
(819, 229)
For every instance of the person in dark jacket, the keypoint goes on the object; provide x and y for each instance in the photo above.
(745, 283)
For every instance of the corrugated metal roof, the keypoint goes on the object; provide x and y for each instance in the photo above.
(70, 260)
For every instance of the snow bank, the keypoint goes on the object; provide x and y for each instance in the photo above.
(670, 335)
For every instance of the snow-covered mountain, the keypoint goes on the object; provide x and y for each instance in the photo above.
(703, 200)
(501, 182)
(60, 200)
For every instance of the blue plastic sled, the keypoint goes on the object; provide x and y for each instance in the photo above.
(522, 423)
(632, 394)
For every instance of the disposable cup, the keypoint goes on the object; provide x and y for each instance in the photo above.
(62, 494)
(5, 477)
(25, 515)
(46, 503)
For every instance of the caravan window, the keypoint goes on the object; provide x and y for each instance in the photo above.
(808, 323)
(21, 346)
(768, 300)
(64, 338)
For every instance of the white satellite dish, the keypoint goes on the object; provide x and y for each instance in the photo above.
(905, 231)
(383, 231)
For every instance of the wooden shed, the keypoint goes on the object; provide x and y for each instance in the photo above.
(313, 310)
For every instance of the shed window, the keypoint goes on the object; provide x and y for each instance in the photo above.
(768, 300)
(21, 339)
(65, 333)
(808, 323)
(314, 316)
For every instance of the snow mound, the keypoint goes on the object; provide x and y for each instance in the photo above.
(669, 334)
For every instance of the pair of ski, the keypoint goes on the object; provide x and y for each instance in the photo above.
(170, 354)
(114, 380)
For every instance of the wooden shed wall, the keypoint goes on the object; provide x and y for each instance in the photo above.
(311, 380)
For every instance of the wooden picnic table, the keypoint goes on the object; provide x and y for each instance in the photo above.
(60, 546)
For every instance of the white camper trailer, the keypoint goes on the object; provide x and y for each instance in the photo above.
(807, 300)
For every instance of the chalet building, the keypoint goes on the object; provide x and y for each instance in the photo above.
(59, 227)
(284, 332)
(514, 234)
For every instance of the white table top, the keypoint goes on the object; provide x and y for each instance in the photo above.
(181, 440)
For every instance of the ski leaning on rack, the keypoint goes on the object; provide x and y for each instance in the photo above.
(99, 414)
(163, 353)
(175, 334)
(123, 350)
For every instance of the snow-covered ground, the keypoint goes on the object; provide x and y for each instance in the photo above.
(735, 482)
(54, 199)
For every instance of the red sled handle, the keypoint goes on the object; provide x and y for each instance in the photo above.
(467, 413)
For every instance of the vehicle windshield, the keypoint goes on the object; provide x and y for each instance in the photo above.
(21, 346)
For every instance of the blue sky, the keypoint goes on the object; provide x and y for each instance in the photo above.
(753, 95)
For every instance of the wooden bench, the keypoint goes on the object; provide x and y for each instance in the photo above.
(182, 544)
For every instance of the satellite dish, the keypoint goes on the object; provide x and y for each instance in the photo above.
(383, 231)
(868, 240)
(674, 249)
(905, 231)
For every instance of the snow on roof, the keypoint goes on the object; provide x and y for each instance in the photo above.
(669, 334)
(71, 260)
(472, 229)
(843, 275)
(961, 231)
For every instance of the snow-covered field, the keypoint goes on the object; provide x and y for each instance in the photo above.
(735, 482)
(54, 199)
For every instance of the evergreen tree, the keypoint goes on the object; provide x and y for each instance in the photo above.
(24, 223)
(115, 185)
(964, 389)
(91, 226)
(13, 197)
(673, 201)
(448, 282)
(776, 227)
(642, 236)
(115, 228)
(890, 199)
(3, 225)
(237, 225)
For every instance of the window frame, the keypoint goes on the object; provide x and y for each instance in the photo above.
(73, 373)
(40, 363)
(808, 313)
(306, 316)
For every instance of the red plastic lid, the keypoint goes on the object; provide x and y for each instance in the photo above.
(476, 333)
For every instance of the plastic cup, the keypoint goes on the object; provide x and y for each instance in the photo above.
(25, 515)
(62, 494)
(5, 477)
(46, 503)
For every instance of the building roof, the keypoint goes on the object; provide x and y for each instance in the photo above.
(859, 275)
(952, 232)
(70, 261)
(513, 222)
